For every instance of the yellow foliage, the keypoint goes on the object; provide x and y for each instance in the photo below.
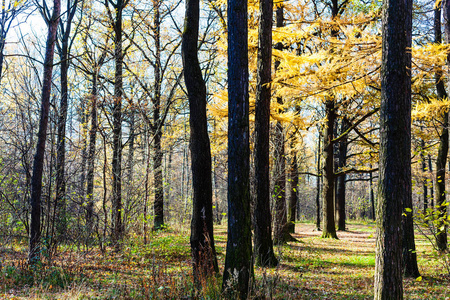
(428, 110)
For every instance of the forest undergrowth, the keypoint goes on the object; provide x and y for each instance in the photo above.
(312, 268)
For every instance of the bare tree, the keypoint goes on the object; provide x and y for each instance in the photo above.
(38, 163)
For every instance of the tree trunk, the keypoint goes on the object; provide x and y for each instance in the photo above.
(62, 118)
(38, 163)
(130, 165)
(158, 221)
(293, 198)
(264, 253)
(340, 181)
(424, 178)
(394, 184)
(202, 235)
(430, 168)
(329, 229)
(441, 160)
(91, 156)
(238, 262)
(117, 233)
(320, 175)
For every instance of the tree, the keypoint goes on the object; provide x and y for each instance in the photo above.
(116, 22)
(410, 268)
(341, 160)
(262, 216)
(329, 229)
(238, 264)
(441, 160)
(63, 49)
(202, 235)
(394, 185)
(38, 163)
(293, 186)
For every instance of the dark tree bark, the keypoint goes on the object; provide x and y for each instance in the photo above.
(91, 150)
(329, 229)
(116, 20)
(293, 198)
(328, 187)
(202, 236)
(394, 185)
(318, 183)
(441, 160)
(238, 263)
(410, 268)
(430, 167)
(342, 146)
(158, 207)
(281, 234)
(62, 117)
(264, 253)
(91, 156)
(38, 163)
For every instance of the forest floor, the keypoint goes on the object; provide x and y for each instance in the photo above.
(312, 268)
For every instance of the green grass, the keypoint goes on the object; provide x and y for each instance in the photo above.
(313, 268)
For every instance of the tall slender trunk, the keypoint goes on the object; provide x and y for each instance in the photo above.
(38, 163)
(91, 156)
(62, 119)
(264, 253)
(319, 176)
(202, 235)
(394, 184)
(340, 181)
(238, 263)
(293, 193)
(130, 166)
(281, 234)
(329, 229)
(117, 233)
(441, 160)
(430, 169)
(158, 222)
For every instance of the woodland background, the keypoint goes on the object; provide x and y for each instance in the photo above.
(116, 155)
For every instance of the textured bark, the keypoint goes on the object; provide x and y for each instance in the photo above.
(329, 229)
(340, 181)
(328, 187)
(158, 207)
(441, 160)
(238, 263)
(430, 167)
(394, 185)
(202, 236)
(38, 163)
(117, 233)
(264, 253)
(91, 156)
(410, 268)
(281, 234)
(62, 118)
(130, 191)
